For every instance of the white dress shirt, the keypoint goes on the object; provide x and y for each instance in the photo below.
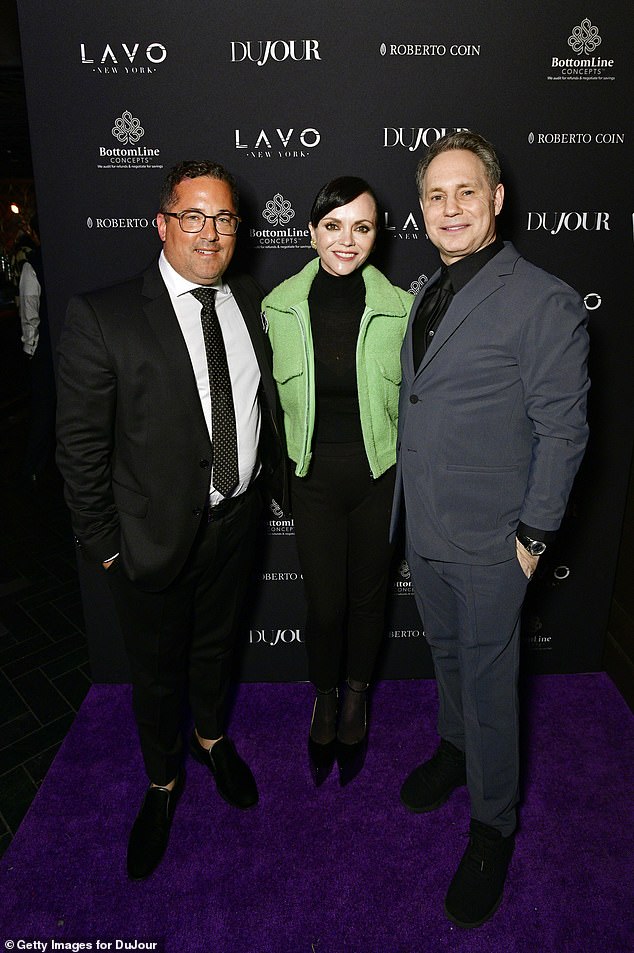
(30, 293)
(243, 367)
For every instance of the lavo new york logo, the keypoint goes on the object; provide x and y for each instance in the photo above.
(261, 51)
(125, 53)
(555, 222)
(307, 137)
(266, 143)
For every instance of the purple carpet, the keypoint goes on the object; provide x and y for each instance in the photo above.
(332, 870)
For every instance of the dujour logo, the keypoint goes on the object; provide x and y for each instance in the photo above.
(274, 637)
(413, 137)
(261, 51)
(556, 222)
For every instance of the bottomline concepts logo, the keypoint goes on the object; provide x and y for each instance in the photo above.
(584, 41)
(402, 585)
(128, 131)
(278, 212)
(418, 284)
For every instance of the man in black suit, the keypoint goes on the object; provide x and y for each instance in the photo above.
(167, 416)
(492, 429)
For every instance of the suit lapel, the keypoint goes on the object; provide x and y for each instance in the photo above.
(487, 281)
(251, 317)
(162, 320)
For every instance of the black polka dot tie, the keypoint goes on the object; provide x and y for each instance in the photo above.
(223, 417)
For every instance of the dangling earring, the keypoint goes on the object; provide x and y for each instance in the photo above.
(313, 244)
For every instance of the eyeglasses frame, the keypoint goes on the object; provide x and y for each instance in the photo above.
(179, 216)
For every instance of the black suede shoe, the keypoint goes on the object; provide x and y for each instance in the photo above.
(430, 784)
(232, 775)
(476, 890)
(151, 829)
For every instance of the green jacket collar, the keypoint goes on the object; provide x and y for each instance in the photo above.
(380, 295)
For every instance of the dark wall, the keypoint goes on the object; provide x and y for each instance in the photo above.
(619, 644)
(288, 95)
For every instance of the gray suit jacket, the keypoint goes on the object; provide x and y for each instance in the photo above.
(133, 446)
(492, 427)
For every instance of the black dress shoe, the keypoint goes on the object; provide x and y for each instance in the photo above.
(430, 784)
(151, 829)
(476, 890)
(234, 781)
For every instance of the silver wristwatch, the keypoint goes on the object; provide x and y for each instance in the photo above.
(535, 547)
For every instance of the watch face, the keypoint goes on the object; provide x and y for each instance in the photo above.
(533, 546)
(536, 548)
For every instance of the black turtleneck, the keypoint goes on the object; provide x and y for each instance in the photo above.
(336, 304)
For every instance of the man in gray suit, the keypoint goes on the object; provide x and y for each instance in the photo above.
(492, 430)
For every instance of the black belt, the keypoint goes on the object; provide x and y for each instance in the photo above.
(212, 513)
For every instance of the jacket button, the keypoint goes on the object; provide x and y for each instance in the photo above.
(196, 512)
(204, 464)
(413, 399)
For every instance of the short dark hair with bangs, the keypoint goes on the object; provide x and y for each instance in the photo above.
(339, 192)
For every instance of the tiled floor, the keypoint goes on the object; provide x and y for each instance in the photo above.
(44, 672)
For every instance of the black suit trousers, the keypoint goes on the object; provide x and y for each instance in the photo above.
(182, 638)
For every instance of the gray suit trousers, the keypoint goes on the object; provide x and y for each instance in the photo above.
(471, 617)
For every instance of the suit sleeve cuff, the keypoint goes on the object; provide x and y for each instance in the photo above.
(541, 535)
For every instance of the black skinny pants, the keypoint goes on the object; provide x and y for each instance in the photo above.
(342, 520)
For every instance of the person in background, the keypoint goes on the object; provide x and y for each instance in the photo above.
(336, 330)
(36, 343)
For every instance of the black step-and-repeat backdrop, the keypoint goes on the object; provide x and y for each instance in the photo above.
(288, 95)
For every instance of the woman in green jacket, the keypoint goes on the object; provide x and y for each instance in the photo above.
(336, 329)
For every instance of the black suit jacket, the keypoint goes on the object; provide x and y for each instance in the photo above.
(133, 445)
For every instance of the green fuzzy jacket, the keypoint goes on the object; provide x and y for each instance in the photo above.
(378, 361)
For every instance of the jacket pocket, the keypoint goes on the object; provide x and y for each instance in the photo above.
(129, 501)
(391, 382)
(393, 375)
(285, 370)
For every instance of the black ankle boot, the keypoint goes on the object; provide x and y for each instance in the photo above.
(322, 737)
(352, 733)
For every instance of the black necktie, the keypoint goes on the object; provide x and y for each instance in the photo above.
(223, 418)
(430, 313)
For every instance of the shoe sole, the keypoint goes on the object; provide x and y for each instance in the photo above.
(477, 923)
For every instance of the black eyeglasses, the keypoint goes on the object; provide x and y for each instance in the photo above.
(191, 220)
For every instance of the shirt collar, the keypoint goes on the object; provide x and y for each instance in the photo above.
(177, 285)
(461, 272)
